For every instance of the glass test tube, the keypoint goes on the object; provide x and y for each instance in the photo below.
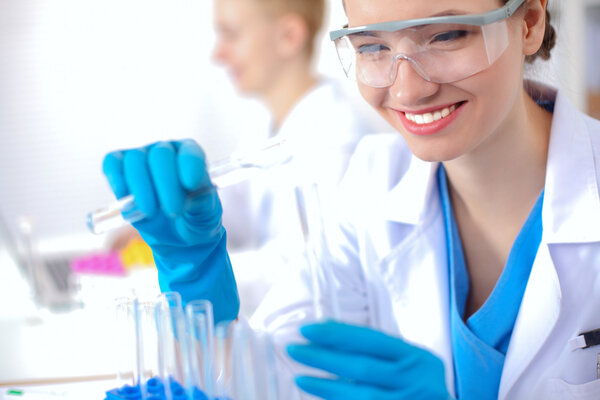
(222, 360)
(311, 211)
(200, 324)
(130, 340)
(148, 357)
(222, 173)
(125, 342)
(173, 355)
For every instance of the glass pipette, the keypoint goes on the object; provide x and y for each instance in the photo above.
(238, 167)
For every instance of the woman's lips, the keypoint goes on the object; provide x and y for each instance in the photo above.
(429, 122)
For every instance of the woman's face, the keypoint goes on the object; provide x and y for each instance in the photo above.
(480, 105)
(246, 44)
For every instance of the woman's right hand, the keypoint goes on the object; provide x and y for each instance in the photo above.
(160, 176)
(184, 232)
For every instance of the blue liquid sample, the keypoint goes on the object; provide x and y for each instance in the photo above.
(155, 391)
(125, 392)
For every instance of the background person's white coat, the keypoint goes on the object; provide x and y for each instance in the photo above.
(260, 215)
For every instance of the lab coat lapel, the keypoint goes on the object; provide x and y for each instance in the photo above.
(415, 268)
(538, 314)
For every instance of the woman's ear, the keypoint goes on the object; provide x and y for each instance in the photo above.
(292, 35)
(534, 26)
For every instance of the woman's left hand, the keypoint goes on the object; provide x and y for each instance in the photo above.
(369, 365)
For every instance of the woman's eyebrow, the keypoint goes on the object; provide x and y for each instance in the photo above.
(365, 33)
(448, 13)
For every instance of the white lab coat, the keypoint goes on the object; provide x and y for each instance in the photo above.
(390, 263)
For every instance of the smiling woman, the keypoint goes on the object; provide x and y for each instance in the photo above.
(448, 77)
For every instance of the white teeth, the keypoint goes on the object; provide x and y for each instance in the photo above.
(428, 118)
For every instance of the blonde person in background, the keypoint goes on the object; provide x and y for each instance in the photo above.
(269, 49)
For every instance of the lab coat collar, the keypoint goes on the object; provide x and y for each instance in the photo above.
(571, 210)
(409, 199)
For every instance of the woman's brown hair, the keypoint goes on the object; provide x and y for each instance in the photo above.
(548, 42)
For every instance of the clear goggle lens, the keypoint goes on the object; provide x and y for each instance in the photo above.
(440, 53)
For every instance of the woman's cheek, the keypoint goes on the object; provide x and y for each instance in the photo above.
(374, 97)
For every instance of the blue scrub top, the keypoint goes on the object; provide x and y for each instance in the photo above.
(479, 345)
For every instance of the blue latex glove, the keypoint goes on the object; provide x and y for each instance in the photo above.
(185, 234)
(368, 363)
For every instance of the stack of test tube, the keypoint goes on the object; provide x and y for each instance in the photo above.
(166, 352)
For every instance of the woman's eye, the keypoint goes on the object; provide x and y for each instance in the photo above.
(371, 48)
(449, 36)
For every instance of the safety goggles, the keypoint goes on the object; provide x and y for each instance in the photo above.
(440, 49)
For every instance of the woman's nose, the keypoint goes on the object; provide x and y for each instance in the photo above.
(409, 87)
(219, 53)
